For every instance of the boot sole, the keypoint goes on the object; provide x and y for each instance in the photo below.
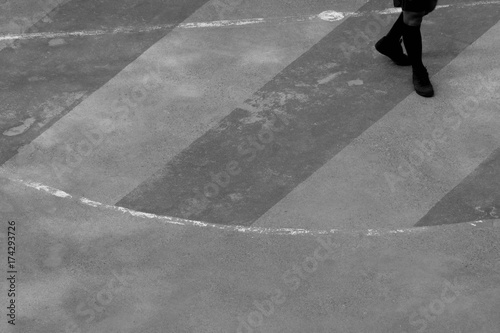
(423, 94)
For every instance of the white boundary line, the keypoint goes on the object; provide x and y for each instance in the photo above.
(329, 16)
(256, 230)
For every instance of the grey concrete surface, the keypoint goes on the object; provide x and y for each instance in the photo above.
(95, 269)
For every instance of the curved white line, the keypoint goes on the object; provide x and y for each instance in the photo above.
(258, 230)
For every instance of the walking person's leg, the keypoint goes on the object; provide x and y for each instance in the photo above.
(413, 13)
(408, 26)
(390, 44)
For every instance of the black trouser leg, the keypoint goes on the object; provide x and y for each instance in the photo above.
(397, 29)
(412, 39)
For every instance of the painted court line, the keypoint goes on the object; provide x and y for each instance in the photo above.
(329, 16)
(257, 230)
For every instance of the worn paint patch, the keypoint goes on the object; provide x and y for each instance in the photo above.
(330, 77)
(256, 107)
(331, 16)
(57, 42)
(356, 82)
(36, 78)
(262, 57)
(255, 114)
(236, 196)
(55, 106)
(20, 129)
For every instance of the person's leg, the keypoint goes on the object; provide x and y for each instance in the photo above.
(390, 44)
(413, 13)
(432, 5)
(408, 26)
(396, 31)
(412, 39)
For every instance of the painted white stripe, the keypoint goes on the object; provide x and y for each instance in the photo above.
(45, 188)
(256, 230)
(329, 16)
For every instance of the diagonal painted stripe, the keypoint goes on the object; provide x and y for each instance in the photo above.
(43, 80)
(293, 125)
(477, 197)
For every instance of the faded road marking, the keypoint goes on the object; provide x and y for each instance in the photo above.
(325, 16)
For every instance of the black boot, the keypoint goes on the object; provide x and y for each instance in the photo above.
(421, 82)
(392, 50)
(413, 44)
(390, 45)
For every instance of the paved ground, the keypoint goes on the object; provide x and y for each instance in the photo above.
(332, 197)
